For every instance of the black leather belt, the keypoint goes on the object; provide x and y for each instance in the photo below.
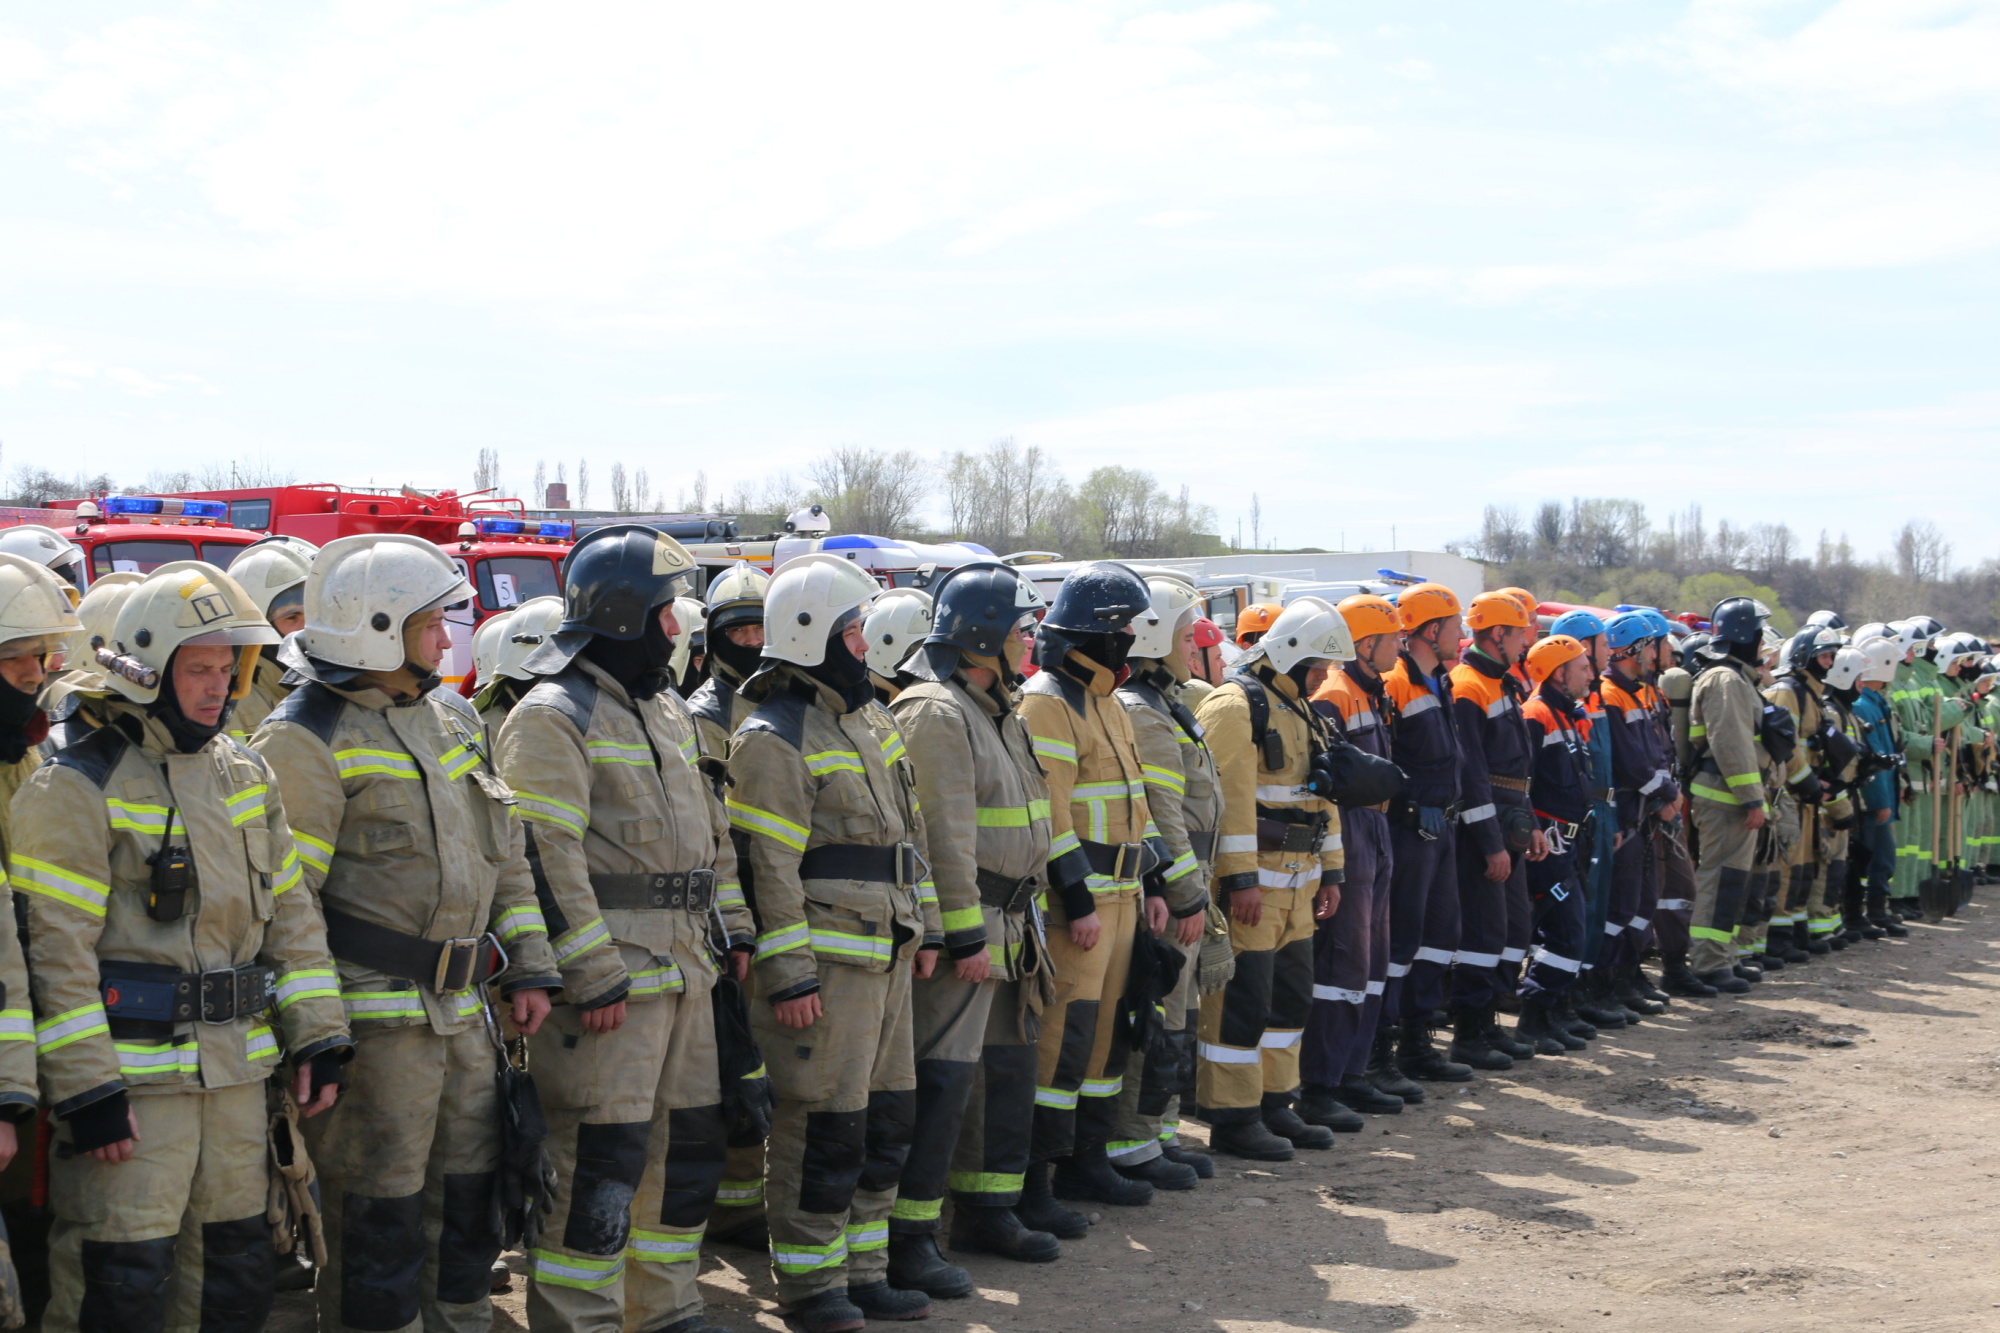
(1283, 830)
(1120, 860)
(875, 865)
(1005, 892)
(1505, 783)
(1203, 846)
(162, 993)
(446, 966)
(691, 889)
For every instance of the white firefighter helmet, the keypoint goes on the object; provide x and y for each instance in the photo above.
(1176, 602)
(1848, 664)
(808, 596)
(184, 604)
(1308, 629)
(364, 589)
(486, 641)
(273, 572)
(529, 625)
(97, 616)
(897, 623)
(1950, 649)
(1884, 654)
(46, 547)
(690, 618)
(737, 597)
(36, 614)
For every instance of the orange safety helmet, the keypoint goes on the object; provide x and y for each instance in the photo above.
(1425, 602)
(1491, 610)
(1551, 653)
(1256, 619)
(1527, 601)
(1367, 615)
(1207, 634)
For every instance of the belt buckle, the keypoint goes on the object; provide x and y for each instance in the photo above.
(208, 980)
(906, 865)
(457, 961)
(1024, 892)
(1130, 858)
(700, 889)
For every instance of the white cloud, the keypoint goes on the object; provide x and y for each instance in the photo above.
(1178, 217)
(1849, 56)
(1201, 25)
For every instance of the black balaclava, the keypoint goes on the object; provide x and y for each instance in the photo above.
(840, 670)
(189, 736)
(740, 661)
(1745, 652)
(1107, 650)
(644, 666)
(17, 714)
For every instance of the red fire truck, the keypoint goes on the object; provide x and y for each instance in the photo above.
(139, 532)
(506, 556)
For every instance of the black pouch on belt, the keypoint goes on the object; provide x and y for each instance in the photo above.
(1517, 827)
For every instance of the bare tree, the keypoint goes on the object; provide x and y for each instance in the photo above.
(486, 472)
(1256, 521)
(1921, 551)
(642, 491)
(541, 484)
(621, 489)
(582, 497)
(866, 490)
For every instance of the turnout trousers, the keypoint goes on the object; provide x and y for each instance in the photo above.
(1676, 894)
(1596, 877)
(1250, 1030)
(844, 1094)
(1351, 956)
(739, 1199)
(1081, 1057)
(991, 1156)
(406, 1167)
(951, 1021)
(636, 1137)
(1423, 920)
(1915, 819)
(1635, 870)
(1722, 884)
(1139, 1133)
(175, 1238)
(1556, 886)
(1770, 881)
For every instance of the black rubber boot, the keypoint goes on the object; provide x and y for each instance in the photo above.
(1595, 1005)
(1384, 1073)
(1538, 1026)
(1625, 989)
(1418, 1056)
(1568, 1019)
(1750, 970)
(1725, 981)
(1319, 1106)
(1472, 1044)
(1088, 1174)
(916, 1265)
(1196, 1161)
(1358, 1093)
(1644, 981)
(1240, 1131)
(976, 1230)
(828, 1312)
(1508, 1043)
(1282, 1120)
(1679, 979)
(1773, 957)
(1162, 1173)
(1884, 920)
(1802, 938)
(879, 1300)
(1039, 1211)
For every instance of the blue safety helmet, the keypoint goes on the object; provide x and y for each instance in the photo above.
(1577, 624)
(1662, 628)
(1627, 628)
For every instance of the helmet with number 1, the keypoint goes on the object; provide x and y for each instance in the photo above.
(1422, 603)
(812, 597)
(1308, 630)
(182, 604)
(361, 593)
(737, 598)
(896, 624)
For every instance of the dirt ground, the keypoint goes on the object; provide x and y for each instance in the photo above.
(1818, 1151)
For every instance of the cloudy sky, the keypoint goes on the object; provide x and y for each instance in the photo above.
(1380, 264)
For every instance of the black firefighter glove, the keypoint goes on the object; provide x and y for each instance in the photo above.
(1809, 789)
(327, 1068)
(100, 1123)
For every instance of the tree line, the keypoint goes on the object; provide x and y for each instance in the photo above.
(1606, 551)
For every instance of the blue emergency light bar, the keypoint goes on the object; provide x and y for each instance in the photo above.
(561, 530)
(500, 527)
(140, 504)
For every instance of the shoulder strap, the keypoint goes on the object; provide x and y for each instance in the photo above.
(312, 706)
(95, 755)
(571, 693)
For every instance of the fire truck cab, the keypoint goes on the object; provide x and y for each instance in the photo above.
(139, 532)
